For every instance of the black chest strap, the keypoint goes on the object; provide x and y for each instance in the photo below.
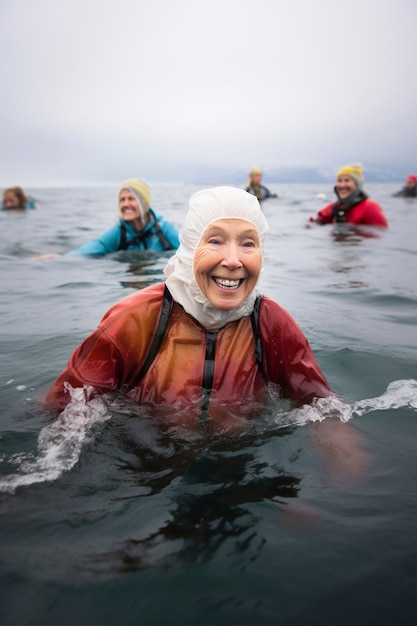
(143, 236)
(159, 335)
(257, 336)
(341, 208)
(208, 375)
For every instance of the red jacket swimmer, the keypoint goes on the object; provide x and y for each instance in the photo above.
(204, 341)
(353, 205)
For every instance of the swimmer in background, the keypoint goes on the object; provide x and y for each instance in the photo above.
(255, 187)
(14, 198)
(138, 227)
(410, 188)
(353, 205)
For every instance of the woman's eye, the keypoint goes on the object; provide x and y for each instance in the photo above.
(215, 241)
(249, 244)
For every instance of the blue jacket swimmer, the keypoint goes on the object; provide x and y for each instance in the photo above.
(138, 227)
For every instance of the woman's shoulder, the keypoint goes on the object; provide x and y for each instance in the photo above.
(328, 208)
(370, 207)
(371, 203)
(278, 328)
(132, 320)
(272, 312)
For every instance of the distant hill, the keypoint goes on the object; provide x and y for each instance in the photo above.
(373, 174)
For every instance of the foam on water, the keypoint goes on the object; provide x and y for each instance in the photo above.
(399, 393)
(60, 443)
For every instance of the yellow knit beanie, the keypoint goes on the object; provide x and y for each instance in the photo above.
(355, 171)
(141, 191)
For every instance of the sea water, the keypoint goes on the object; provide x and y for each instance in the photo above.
(105, 519)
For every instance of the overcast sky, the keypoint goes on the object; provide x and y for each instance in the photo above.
(101, 90)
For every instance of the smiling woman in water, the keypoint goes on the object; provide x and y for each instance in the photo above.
(204, 348)
(138, 226)
(353, 205)
(204, 339)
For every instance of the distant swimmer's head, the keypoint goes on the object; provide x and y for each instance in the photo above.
(348, 180)
(411, 180)
(14, 198)
(255, 176)
(134, 200)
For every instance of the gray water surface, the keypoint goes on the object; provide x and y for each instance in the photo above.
(108, 519)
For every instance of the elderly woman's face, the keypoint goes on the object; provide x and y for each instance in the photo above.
(227, 262)
(345, 186)
(129, 205)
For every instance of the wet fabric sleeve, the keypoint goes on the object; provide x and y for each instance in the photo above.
(110, 358)
(288, 358)
(107, 242)
(96, 363)
(324, 216)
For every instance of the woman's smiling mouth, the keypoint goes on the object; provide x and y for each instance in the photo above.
(225, 283)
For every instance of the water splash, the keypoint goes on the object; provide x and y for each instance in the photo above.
(60, 443)
(399, 393)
